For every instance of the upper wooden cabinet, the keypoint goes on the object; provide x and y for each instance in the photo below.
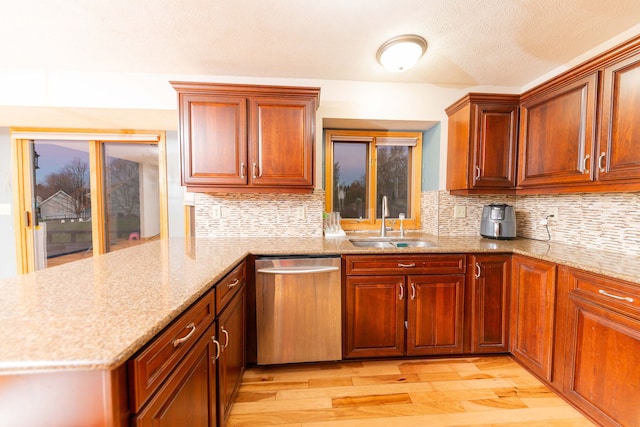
(242, 138)
(618, 153)
(482, 142)
(579, 131)
(557, 133)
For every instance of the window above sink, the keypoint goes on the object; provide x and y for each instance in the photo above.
(364, 166)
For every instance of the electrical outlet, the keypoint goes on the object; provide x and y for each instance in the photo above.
(459, 211)
(216, 212)
(301, 212)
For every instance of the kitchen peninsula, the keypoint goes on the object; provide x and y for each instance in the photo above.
(66, 333)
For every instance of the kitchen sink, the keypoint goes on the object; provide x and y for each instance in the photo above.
(379, 242)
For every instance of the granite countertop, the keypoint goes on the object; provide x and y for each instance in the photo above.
(96, 313)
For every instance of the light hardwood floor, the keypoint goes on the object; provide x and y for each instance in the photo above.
(482, 391)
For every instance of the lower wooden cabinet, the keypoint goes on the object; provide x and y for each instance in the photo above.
(490, 278)
(200, 359)
(400, 313)
(602, 375)
(231, 335)
(374, 316)
(188, 396)
(533, 298)
(435, 314)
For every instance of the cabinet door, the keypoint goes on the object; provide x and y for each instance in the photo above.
(490, 303)
(619, 156)
(214, 139)
(533, 296)
(188, 397)
(603, 375)
(374, 316)
(494, 148)
(435, 314)
(557, 130)
(231, 335)
(281, 142)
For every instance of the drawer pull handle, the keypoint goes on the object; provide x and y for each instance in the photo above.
(233, 283)
(217, 356)
(607, 294)
(413, 291)
(242, 169)
(401, 265)
(477, 270)
(179, 341)
(401, 291)
(478, 172)
(226, 337)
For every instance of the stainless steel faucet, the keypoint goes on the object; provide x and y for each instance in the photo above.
(385, 213)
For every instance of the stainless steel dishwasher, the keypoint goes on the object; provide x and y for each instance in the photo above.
(298, 309)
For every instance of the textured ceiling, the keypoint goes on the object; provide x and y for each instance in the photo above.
(471, 42)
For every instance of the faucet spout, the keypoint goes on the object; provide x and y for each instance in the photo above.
(385, 214)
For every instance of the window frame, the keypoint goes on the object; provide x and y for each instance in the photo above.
(22, 183)
(415, 177)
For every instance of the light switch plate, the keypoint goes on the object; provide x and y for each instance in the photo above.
(5, 209)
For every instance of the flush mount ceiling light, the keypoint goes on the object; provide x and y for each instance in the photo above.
(402, 52)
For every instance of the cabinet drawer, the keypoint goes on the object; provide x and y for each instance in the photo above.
(157, 359)
(227, 287)
(619, 295)
(405, 264)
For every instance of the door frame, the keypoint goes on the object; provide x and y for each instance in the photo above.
(22, 181)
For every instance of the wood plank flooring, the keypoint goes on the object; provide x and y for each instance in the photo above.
(480, 391)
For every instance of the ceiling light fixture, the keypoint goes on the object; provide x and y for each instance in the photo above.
(402, 52)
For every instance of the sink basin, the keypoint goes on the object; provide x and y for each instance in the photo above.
(379, 242)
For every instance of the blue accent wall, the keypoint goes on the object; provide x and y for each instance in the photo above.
(431, 158)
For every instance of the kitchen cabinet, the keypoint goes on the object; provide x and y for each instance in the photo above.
(173, 378)
(244, 138)
(490, 278)
(189, 394)
(189, 373)
(482, 144)
(533, 300)
(557, 133)
(618, 155)
(403, 305)
(231, 335)
(603, 354)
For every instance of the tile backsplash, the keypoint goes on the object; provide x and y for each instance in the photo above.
(259, 214)
(607, 221)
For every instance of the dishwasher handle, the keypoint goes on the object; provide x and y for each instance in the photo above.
(298, 270)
